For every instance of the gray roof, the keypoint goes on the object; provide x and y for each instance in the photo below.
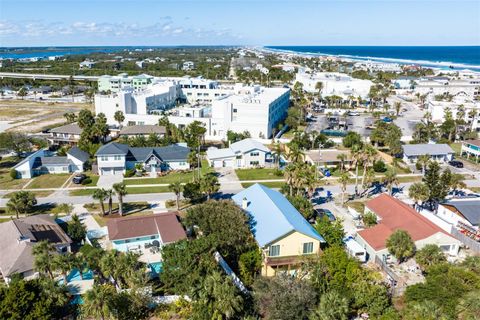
(427, 148)
(79, 154)
(50, 161)
(470, 209)
(18, 238)
(248, 144)
(142, 129)
(71, 128)
(112, 148)
(168, 153)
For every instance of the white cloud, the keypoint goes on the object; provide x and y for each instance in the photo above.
(165, 29)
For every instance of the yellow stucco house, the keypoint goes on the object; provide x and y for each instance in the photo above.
(281, 232)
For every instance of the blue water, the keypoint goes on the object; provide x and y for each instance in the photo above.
(44, 52)
(460, 57)
(155, 268)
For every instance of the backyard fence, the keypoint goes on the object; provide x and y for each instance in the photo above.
(469, 242)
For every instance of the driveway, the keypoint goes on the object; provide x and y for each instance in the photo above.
(228, 180)
(107, 181)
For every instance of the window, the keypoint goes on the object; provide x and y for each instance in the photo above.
(274, 251)
(254, 163)
(234, 110)
(103, 158)
(152, 237)
(308, 247)
(254, 154)
(117, 157)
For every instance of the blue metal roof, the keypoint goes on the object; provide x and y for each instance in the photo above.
(273, 214)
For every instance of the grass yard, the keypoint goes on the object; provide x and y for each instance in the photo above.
(94, 179)
(457, 147)
(128, 207)
(48, 181)
(278, 184)
(102, 221)
(6, 182)
(140, 190)
(38, 194)
(180, 176)
(359, 206)
(82, 192)
(257, 174)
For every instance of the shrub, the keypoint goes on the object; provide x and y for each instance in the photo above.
(170, 203)
(86, 181)
(129, 173)
(13, 174)
(379, 166)
(278, 172)
(369, 219)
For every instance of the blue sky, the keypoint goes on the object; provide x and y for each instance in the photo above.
(244, 22)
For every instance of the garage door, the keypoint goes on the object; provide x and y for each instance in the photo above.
(107, 171)
(218, 163)
(229, 163)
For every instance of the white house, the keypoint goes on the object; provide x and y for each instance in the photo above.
(115, 158)
(461, 213)
(471, 111)
(87, 64)
(43, 162)
(471, 149)
(437, 152)
(246, 153)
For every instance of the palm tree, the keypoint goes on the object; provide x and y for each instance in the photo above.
(319, 88)
(398, 107)
(220, 297)
(209, 185)
(96, 301)
(469, 306)
(295, 154)
(369, 176)
(357, 156)
(100, 195)
(333, 306)
(120, 190)
(342, 157)
(176, 188)
(369, 154)
(119, 117)
(456, 182)
(277, 153)
(63, 263)
(418, 192)
(43, 257)
(109, 195)
(391, 179)
(344, 177)
(423, 161)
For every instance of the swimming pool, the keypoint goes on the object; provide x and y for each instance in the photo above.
(75, 275)
(155, 268)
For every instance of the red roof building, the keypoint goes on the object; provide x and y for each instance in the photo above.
(393, 214)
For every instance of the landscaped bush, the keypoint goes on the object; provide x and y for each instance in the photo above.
(86, 181)
(13, 174)
(129, 173)
(379, 166)
(278, 172)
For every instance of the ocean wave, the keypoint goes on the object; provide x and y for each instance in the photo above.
(428, 63)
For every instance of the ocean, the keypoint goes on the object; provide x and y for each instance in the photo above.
(45, 52)
(458, 57)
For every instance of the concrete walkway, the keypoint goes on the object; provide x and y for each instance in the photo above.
(107, 181)
(228, 180)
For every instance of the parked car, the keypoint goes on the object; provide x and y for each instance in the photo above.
(456, 163)
(78, 178)
(325, 212)
(353, 113)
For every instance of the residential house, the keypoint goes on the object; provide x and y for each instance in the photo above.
(436, 152)
(67, 134)
(188, 65)
(392, 215)
(116, 158)
(471, 149)
(87, 64)
(18, 238)
(463, 214)
(142, 130)
(281, 232)
(43, 162)
(246, 153)
(328, 157)
(145, 234)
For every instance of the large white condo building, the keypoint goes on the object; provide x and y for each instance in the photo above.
(220, 108)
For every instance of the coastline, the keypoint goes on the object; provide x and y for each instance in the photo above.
(439, 65)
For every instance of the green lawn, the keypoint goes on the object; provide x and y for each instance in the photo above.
(94, 179)
(140, 190)
(182, 177)
(6, 182)
(38, 194)
(357, 205)
(102, 221)
(257, 174)
(82, 192)
(48, 181)
(128, 207)
(278, 184)
(457, 147)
